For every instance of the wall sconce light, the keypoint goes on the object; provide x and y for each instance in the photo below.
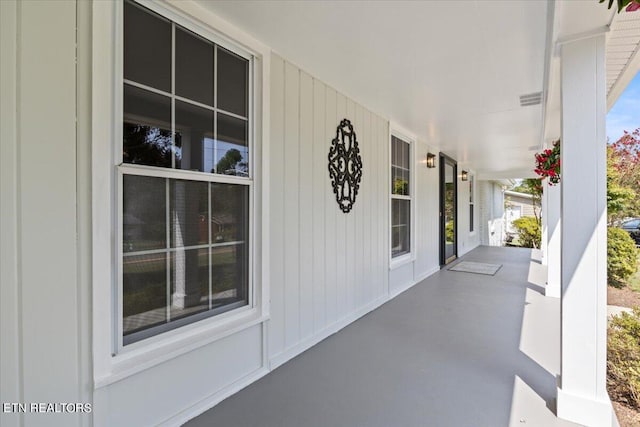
(431, 160)
(465, 175)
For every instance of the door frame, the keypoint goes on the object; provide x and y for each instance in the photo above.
(444, 159)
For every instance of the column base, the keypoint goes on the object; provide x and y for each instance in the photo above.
(184, 300)
(586, 411)
(552, 291)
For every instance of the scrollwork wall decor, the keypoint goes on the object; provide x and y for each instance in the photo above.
(345, 166)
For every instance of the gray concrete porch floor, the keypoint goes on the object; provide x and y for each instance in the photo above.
(456, 350)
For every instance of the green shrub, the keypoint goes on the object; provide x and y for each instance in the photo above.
(623, 358)
(448, 232)
(622, 256)
(529, 233)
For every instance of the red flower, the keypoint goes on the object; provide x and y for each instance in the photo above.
(634, 5)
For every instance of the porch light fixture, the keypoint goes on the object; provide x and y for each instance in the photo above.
(465, 175)
(431, 160)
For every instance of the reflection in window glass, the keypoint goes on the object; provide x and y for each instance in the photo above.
(193, 126)
(229, 213)
(207, 257)
(189, 282)
(185, 250)
(146, 130)
(232, 82)
(194, 67)
(400, 167)
(400, 197)
(399, 227)
(144, 284)
(144, 216)
(188, 206)
(147, 47)
(229, 275)
(231, 150)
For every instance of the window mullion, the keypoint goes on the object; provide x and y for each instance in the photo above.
(210, 250)
(173, 95)
(168, 246)
(215, 106)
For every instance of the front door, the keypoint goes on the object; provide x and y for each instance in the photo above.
(448, 210)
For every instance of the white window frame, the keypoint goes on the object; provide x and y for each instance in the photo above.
(398, 132)
(112, 361)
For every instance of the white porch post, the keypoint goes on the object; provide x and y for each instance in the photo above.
(554, 238)
(582, 395)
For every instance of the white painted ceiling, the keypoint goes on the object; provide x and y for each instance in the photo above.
(451, 72)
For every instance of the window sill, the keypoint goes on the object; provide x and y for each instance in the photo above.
(401, 260)
(148, 353)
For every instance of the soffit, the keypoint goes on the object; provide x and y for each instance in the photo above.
(623, 57)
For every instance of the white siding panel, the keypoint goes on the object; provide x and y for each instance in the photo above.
(351, 221)
(276, 245)
(10, 386)
(427, 214)
(341, 226)
(362, 217)
(367, 148)
(384, 202)
(331, 212)
(306, 205)
(318, 217)
(140, 400)
(291, 191)
(328, 267)
(46, 227)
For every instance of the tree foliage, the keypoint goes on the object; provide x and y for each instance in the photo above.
(622, 256)
(623, 177)
(529, 231)
(623, 358)
(534, 187)
(227, 164)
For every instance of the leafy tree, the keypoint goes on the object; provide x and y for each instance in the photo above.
(229, 161)
(534, 187)
(623, 176)
(146, 145)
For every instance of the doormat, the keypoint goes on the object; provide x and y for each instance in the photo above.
(476, 267)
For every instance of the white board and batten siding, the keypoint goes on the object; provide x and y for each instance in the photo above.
(327, 267)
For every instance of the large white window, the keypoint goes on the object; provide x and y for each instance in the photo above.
(401, 197)
(185, 180)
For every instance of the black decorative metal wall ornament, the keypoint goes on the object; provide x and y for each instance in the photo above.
(345, 166)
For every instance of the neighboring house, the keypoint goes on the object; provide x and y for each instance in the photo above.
(518, 205)
(136, 278)
(492, 211)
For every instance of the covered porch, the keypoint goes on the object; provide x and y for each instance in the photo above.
(456, 349)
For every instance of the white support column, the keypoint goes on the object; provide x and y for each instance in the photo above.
(554, 239)
(582, 395)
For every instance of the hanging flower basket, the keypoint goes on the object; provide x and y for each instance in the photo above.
(548, 164)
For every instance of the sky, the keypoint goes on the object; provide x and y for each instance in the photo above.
(625, 114)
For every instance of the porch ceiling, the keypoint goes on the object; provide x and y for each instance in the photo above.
(449, 72)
